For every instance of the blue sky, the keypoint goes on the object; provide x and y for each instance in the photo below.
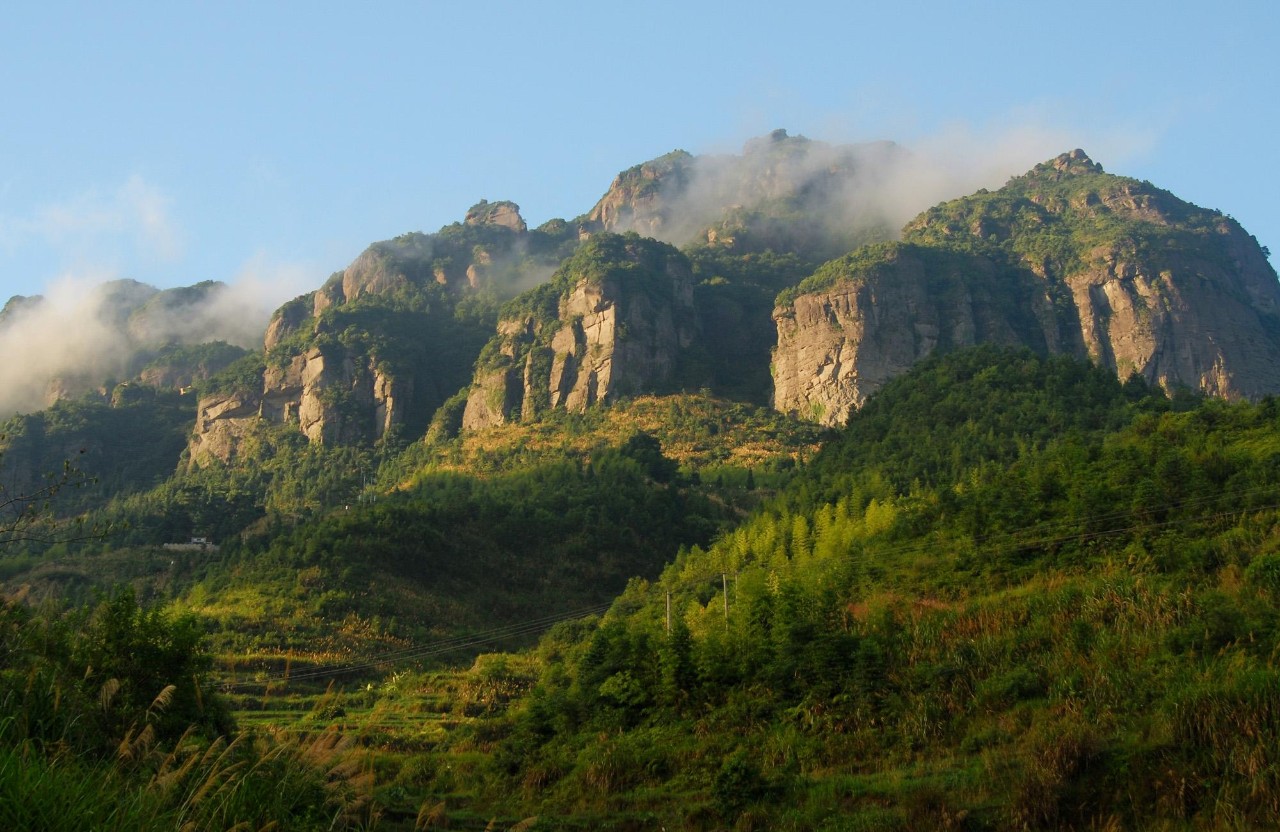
(176, 142)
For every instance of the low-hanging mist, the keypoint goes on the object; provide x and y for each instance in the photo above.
(87, 332)
(845, 192)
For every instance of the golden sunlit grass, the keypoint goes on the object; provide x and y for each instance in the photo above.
(696, 431)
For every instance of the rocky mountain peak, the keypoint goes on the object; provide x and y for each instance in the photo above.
(18, 304)
(763, 144)
(1073, 163)
(1100, 267)
(639, 198)
(504, 213)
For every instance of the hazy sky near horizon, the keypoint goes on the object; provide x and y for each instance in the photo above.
(269, 143)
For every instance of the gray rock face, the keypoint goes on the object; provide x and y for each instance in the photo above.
(1089, 265)
(378, 345)
(503, 213)
(330, 399)
(223, 421)
(838, 346)
(1197, 323)
(617, 334)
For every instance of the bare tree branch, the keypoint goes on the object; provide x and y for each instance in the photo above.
(26, 513)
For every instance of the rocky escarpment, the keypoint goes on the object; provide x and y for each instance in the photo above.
(1191, 321)
(1076, 261)
(616, 320)
(384, 342)
(331, 398)
(335, 397)
(889, 306)
(224, 421)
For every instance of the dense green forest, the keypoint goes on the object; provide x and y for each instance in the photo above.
(121, 446)
(457, 553)
(1015, 593)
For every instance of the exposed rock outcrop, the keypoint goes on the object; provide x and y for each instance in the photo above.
(223, 422)
(331, 398)
(1076, 261)
(1191, 324)
(614, 322)
(892, 305)
(502, 213)
(379, 346)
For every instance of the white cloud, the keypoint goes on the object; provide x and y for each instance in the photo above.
(81, 333)
(892, 184)
(63, 337)
(261, 285)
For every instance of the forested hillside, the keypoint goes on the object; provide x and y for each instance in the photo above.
(1015, 593)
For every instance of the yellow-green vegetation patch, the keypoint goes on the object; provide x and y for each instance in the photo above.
(696, 431)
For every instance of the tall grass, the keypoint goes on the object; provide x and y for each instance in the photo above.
(251, 781)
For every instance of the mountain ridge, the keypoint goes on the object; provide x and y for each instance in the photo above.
(1094, 265)
(486, 321)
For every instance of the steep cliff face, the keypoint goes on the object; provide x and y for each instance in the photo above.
(332, 398)
(223, 422)
(383, 343)
(1066, 259)
(615, 321)
(887, 307)
(1187, 322)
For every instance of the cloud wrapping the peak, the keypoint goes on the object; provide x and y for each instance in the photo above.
(848, 189)
(62, 336)
(89, 329)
